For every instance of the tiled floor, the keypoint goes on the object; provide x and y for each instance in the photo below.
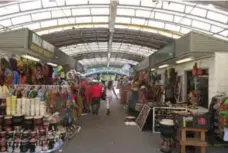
(108, 134)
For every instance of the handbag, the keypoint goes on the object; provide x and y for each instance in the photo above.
(103, 95)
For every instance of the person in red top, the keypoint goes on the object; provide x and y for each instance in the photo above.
(96, 91)
(88, 96)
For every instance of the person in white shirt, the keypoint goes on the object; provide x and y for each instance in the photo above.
(109, 92)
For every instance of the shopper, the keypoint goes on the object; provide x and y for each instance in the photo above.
(96, 91)
(109, 91)
(88, 96)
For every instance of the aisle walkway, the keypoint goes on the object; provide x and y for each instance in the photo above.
(108, 134)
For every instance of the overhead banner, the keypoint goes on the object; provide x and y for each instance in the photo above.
(40, 46)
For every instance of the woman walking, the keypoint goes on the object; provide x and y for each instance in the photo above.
(109, 91)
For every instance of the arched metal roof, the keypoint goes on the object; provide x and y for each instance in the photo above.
(170, 19)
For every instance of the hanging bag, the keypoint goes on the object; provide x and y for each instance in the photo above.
(103, 95)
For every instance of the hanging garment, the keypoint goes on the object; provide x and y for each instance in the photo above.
(16, 77)
(225, 137)
(4, 91)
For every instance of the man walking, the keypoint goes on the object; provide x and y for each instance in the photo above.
(96, 91)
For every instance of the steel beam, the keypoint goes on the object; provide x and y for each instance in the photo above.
(112, 20)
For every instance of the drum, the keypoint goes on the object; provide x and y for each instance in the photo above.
(167, 128)
(46, 126)
(18, 134)
(8, 121)
(53, 127)
(9, 135)
(2, 110)
(33, 134)
(17, 119)
(25, 135)
(42, 141)
(17, 144)
(3, 134)
(3, 146)
(24, 145)
(10, 145)
(28, 122)
(37, 120)
(1, 119)
(32, 145)
(42, 132)
(63, 134)
(51, 142)
(3, 102)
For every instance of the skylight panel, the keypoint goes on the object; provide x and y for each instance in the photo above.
(182, 20)
(41, 16)
(123, 20)
(138, 21)
(173, 6)
(21, 19)
(100, 19)
(162, 16)
(30, 5)
(84, 11)
(172, 27)
(215, 29)
(66, 21)
(32, 26)
(217, 17)
(129, 2)
(156, 24)
(9, 9)
(83, 19)
(61, 13)
(48, 23)
(99, 1)
(49, 3)
(199, 12)
(102, 11)
(142, 13)
(5, 23)
(201, 25)
(76, 2)
(185, 30)
(127, 12)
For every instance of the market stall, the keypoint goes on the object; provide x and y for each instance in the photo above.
(36, 116)
(189, 72)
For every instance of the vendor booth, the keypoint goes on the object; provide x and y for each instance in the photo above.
(36, 114)
(191, 71)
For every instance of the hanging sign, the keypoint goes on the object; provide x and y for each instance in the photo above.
(40, 46)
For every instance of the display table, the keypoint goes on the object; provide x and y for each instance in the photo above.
(160, 113)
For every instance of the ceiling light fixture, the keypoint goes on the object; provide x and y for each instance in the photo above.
(31, 58)
(184, 60)
(163, 66)
(52, 64)
(153, 69)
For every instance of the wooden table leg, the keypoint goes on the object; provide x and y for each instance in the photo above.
(203, 149)
(183, 149)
